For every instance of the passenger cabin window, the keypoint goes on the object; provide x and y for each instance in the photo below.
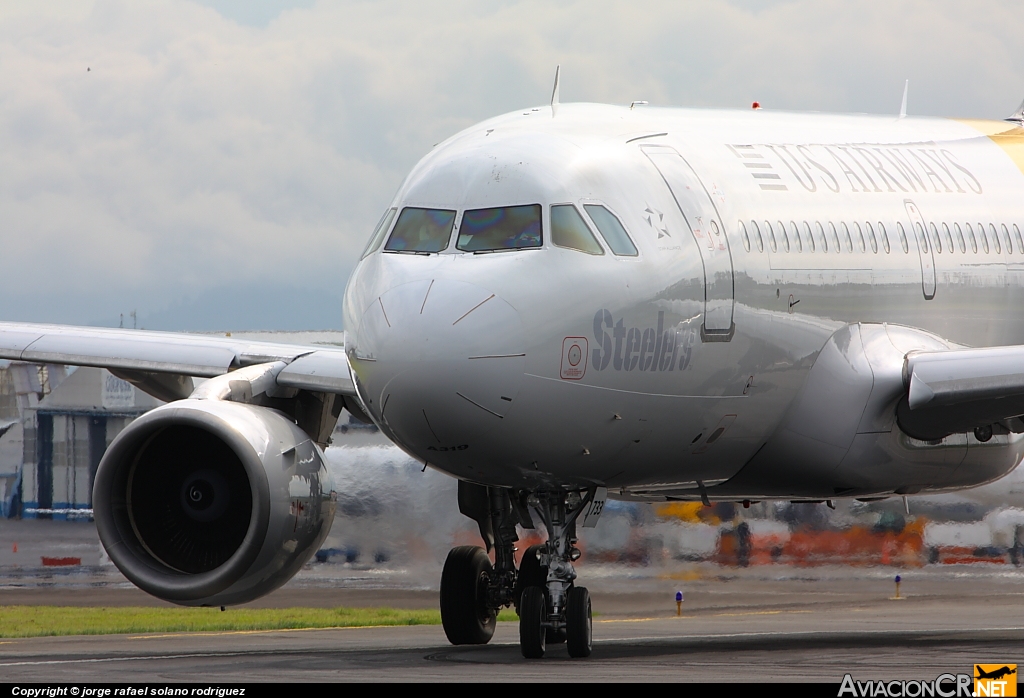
(771, 236)
(421, 230)
(757, 236)
(970, 236)
(984, 238)
(995, 238)
(611, 230)
(809, 235)
(379, 232)
(746, 238)
(795, 234)
(1006, 239)
(569, 230)
(835, 236)
(500, 229)
(936, 240)
(949, 237)
(885, 237)
(821, 236)
(1020, 240)
(903, 237)
(783, 236)
(846, 234)
(871, 238)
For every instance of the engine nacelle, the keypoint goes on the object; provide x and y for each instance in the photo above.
(211, 502)
(842, 437)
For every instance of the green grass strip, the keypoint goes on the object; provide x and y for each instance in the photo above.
(39, 621)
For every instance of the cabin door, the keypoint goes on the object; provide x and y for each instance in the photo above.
(923, 248)
(705, 224)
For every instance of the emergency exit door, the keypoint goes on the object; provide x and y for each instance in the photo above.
(925, 250)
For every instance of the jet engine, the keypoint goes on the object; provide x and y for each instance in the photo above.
(208, 502)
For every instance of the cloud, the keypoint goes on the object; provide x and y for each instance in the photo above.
(255, 13)
(153, 152)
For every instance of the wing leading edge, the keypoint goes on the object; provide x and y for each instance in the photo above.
(961, 390)
(158, 362)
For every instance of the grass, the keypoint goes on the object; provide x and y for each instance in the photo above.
(39, 621)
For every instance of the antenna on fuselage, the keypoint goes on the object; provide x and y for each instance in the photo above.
(903, 107)
(554, 93)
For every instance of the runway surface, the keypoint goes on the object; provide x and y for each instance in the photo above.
(737, 629)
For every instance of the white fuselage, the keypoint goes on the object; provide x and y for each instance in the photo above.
(765, 241)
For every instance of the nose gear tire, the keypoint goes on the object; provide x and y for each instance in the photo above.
(531, 573)
(578, 623)
(533, 610)
(465, 616)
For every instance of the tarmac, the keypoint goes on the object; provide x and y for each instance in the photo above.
(756, 624)
(766, 633)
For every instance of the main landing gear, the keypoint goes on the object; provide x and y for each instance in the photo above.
(551, 608)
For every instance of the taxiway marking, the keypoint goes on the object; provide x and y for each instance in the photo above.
(710, 615)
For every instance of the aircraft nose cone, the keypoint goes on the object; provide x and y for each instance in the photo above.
(441, 362)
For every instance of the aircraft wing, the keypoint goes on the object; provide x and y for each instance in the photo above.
(963, 389)
(164, 359)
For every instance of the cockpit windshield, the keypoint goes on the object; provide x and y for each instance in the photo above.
(421, 230)
(569, 230)
(497, 229)
(611, 230)
(379, 232)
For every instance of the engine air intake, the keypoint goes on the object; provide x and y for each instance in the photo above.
(211, 502)
(189, 499)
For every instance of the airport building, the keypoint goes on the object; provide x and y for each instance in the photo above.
(55, 424)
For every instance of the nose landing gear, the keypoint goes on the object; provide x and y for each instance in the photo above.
(558, 610)
(551, 607)
(538, 625)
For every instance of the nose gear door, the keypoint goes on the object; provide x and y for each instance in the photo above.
(702, 217)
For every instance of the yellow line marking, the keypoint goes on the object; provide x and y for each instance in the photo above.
(213, 633)
(759, 613)
(710, 615)
(204, 633)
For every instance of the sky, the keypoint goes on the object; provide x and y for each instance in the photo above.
(220, 164)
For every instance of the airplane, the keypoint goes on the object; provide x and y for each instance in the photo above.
(995, 674)
(577, 302)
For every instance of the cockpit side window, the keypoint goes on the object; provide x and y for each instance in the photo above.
(611, 230)
(421, 230)
(379, 232)
(499, 229)
(569, 230)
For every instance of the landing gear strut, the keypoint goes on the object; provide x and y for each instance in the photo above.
(551, 607)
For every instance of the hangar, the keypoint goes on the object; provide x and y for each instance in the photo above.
(56, 423)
